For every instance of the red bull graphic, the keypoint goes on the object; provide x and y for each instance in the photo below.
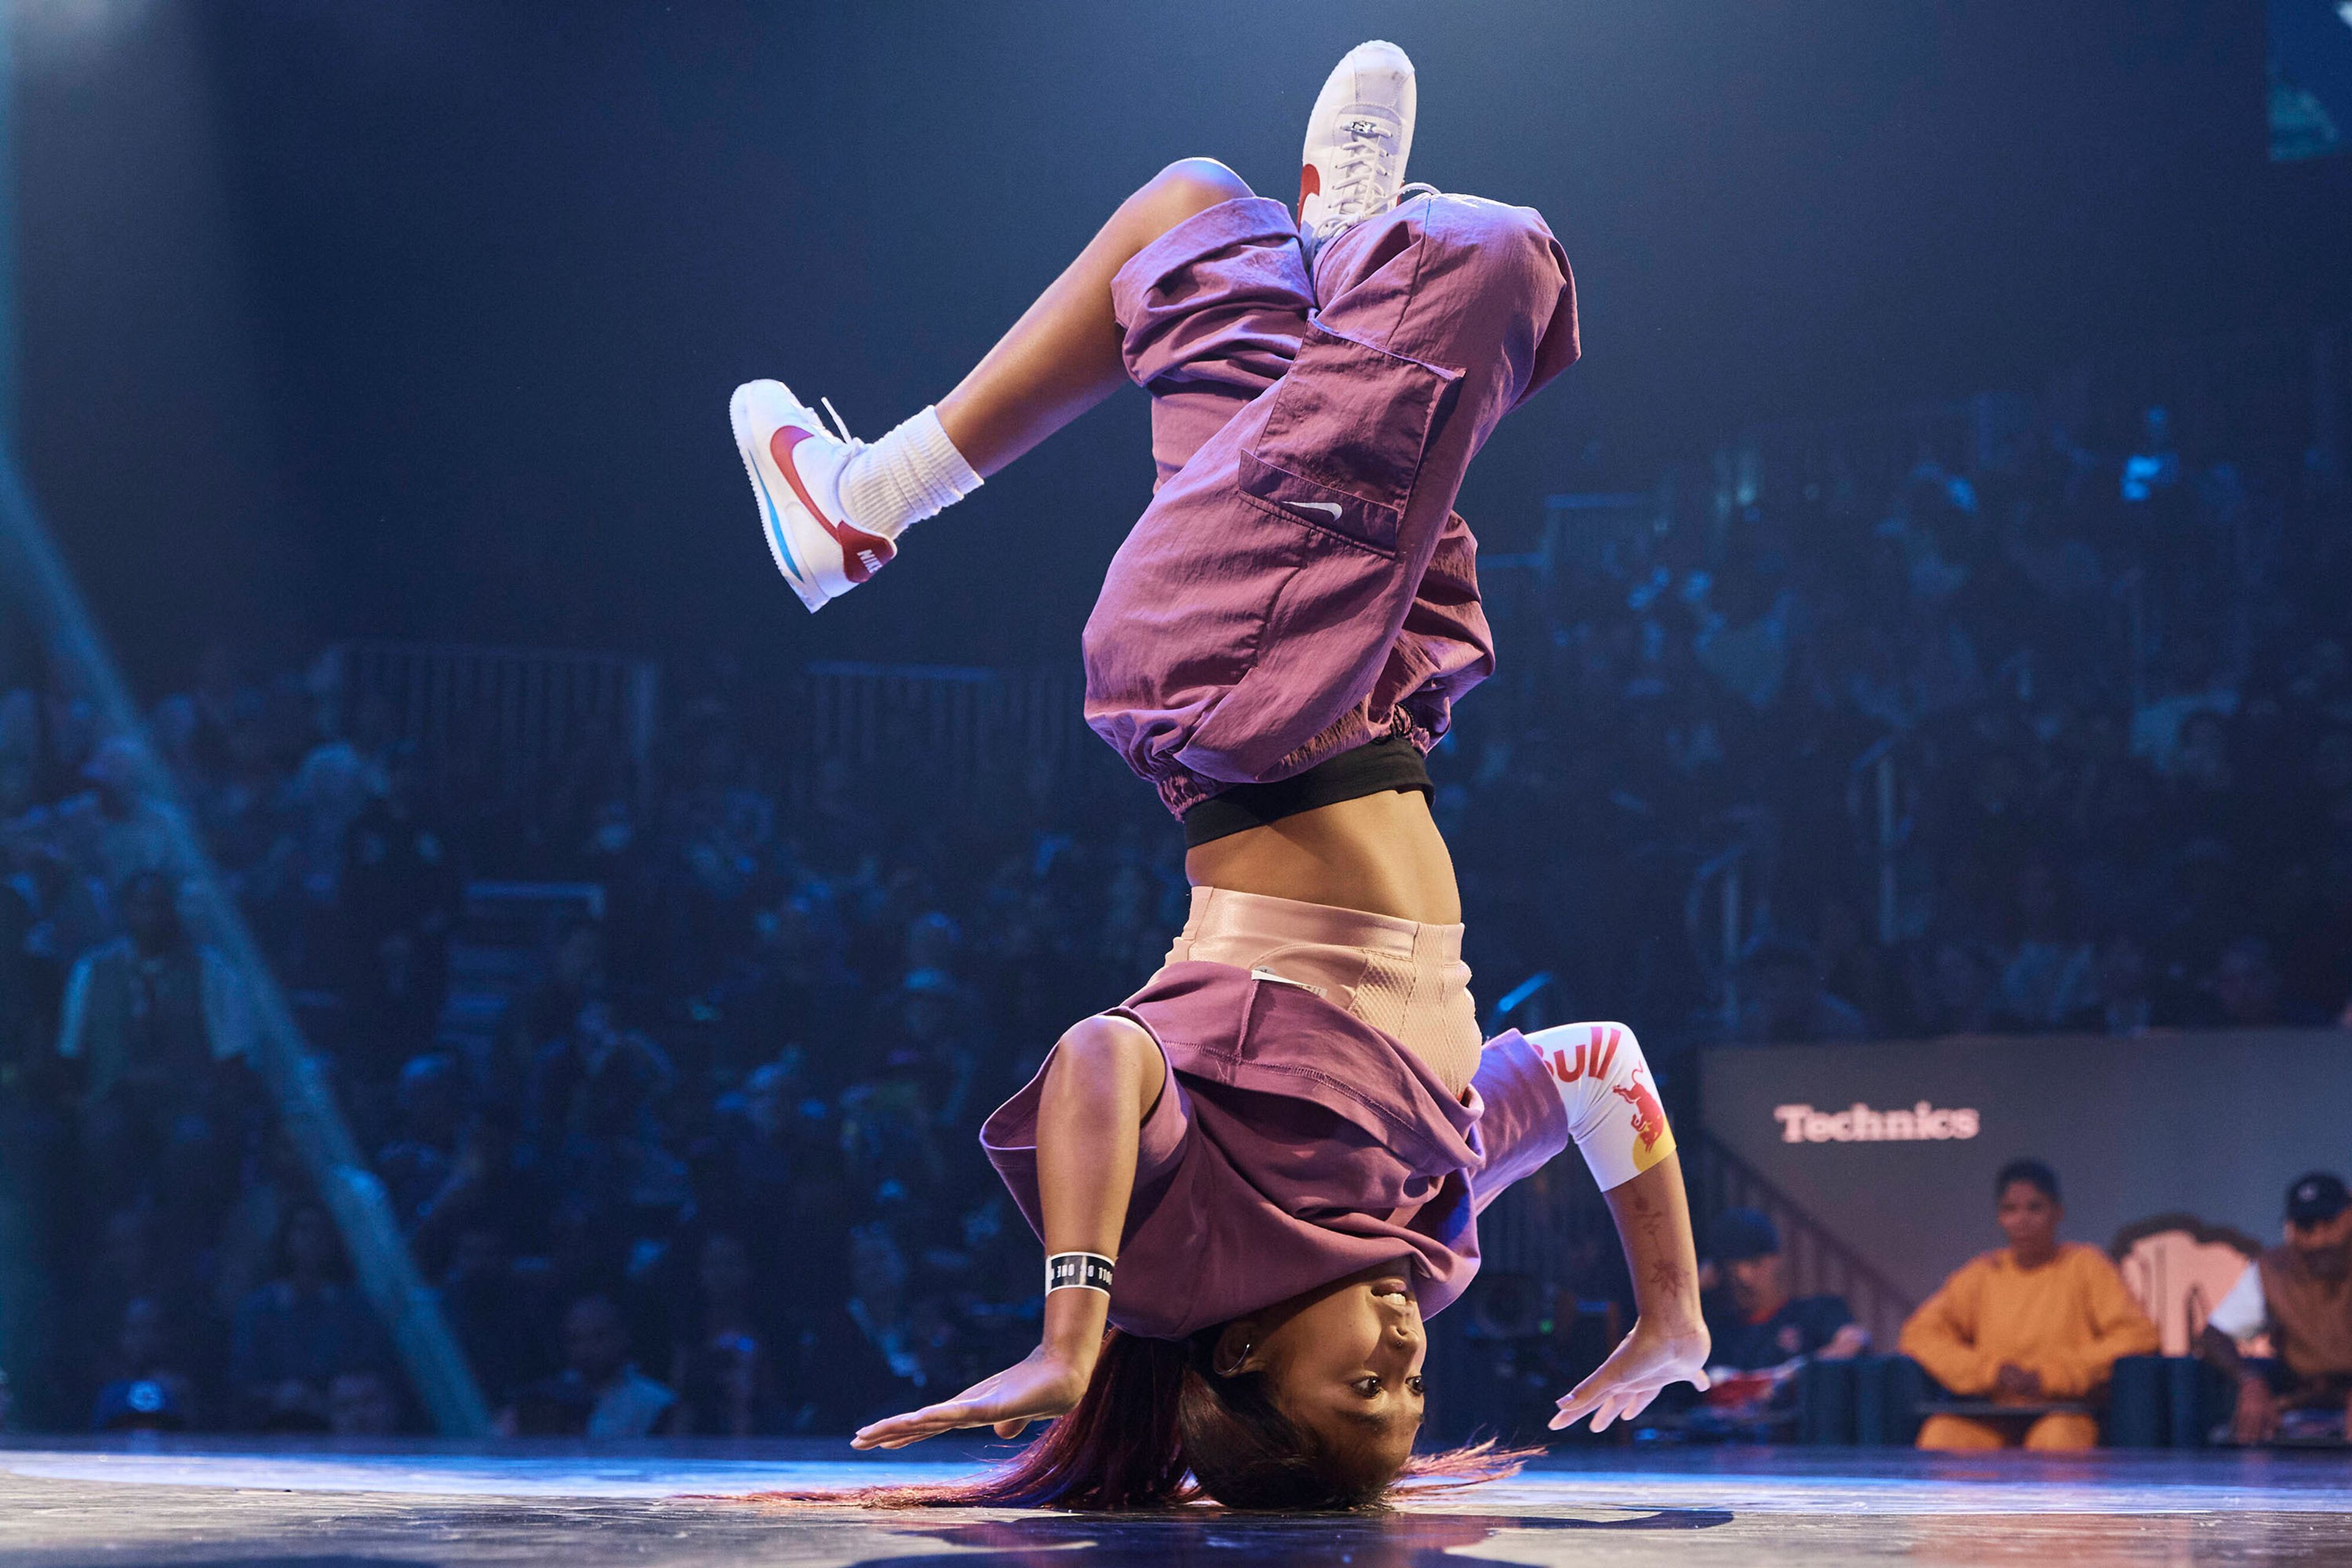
(1652, 1140)
(1594, 1056)
(1600, 1072)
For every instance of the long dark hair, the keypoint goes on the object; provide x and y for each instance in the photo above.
(1158, 1426)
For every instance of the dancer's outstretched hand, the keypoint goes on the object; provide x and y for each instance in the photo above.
(1643, 1363)
(1044, 1385)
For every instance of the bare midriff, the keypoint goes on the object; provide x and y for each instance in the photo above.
(1379, 853)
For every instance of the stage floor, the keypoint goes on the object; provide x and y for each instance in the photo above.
(317, 1506)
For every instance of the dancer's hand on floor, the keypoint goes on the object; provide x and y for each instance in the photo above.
(1643, 1363)
(1043, 1386)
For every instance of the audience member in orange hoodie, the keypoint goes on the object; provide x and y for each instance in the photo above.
(2038, 1322)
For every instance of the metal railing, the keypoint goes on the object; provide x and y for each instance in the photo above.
(1817, 1262)
(1606, 532)
(513, 712)
(1874, 800)
(958, 724)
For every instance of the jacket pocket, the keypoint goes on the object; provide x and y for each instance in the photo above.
(1343, 440)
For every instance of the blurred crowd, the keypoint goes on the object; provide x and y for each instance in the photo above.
(709, 1167)
(2050, 733)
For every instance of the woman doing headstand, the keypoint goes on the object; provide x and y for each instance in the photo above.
(1285, 1138)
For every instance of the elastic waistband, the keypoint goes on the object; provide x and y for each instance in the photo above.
(1220, 913)
(1391, 762)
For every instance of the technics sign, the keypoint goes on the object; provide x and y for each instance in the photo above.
(1858, 1123)
(1892, 1146)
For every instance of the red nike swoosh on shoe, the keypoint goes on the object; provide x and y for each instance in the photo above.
(862, 553)
(1310, 183)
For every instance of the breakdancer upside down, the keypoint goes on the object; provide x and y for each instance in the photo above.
(1284, 1139)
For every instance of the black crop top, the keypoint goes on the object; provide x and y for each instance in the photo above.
(1390, 762)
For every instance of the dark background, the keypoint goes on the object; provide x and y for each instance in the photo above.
(420, 319)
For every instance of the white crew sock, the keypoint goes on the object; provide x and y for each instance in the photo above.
(906, 477)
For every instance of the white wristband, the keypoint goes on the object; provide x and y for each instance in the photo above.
(1077, 1271)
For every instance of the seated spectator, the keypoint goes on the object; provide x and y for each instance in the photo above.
(149, 1017)
(2052, 974)
(487, 1309)
(2127, 1001)
(296, 1334)
(1763, 1338)
(615, 1148)
(28, 985)
(362, 1404)
(1785, 1001)
(1756, 1325)
(1954, 991)
(483, 1185)
(2300, 1295)
(573, 976)
(415, 1165)
(794, 972)
(2154, 467)
(148, 1391)
(722, 1367)
(245, 1249)
(121, 828)
(401, 896)
(2038, 1322)
(761, 1137)
(133, 1256)
(2246, 992)
(600, 1392)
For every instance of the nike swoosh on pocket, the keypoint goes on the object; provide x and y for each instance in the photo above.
(1331, 507)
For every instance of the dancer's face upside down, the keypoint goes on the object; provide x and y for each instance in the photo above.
(1310, 1403)
(1344, 1362)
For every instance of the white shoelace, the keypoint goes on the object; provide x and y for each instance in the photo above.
(1361, 172)
(840, 425)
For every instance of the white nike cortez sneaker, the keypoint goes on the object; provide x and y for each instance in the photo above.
(796, 468)
(1357, 142)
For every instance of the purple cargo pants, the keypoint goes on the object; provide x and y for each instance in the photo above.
(1301, 584)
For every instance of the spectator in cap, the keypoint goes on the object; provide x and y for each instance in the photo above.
(2040, 1321)
(2299, 1294)
(600, 1392)
(1756, 1324)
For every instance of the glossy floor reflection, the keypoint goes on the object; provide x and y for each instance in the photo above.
(664, 1505)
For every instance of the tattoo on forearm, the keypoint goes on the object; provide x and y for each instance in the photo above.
(1656, 1241)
